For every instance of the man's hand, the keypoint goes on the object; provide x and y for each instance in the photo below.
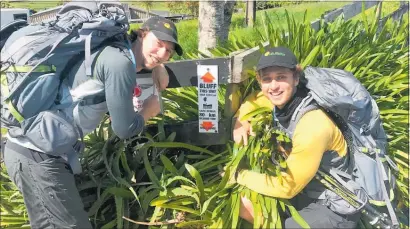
(160, 77)
(150, 108)
(241, 131)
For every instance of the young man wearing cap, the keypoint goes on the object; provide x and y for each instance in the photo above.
(316, 141)
(47, 182)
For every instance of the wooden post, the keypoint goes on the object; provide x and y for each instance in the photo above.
(250, 13)
(402, 4)
(232, 104)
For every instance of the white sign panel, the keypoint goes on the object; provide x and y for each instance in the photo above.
(208, 98)
(145, 88)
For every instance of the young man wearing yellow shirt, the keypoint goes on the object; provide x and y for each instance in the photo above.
(316, 139)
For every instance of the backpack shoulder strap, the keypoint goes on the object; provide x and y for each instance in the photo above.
(304, 107)
(382, 174)
(80, 57)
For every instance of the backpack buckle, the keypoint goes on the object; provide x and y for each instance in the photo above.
(391, 163)
(365, 150)
(364, 129)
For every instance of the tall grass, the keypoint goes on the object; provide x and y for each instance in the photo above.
(156, 5)
(43, 5)
(35, 5)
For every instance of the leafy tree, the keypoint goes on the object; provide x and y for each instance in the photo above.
(5, 4)
(184, 7)
(147, 5)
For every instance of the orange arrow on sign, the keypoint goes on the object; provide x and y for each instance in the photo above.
(207, 125)
(208, 78)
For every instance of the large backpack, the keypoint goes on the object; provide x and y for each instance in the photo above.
(347, 102)
(35, 60)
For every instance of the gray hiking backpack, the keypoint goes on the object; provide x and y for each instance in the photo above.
(36, 59)
(368, 167)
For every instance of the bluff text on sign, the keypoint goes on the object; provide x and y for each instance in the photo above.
(208, 98)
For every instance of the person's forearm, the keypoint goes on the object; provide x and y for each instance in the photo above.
(268, 185)
(125, 126)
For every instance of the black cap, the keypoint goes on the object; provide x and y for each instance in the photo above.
(164, 30)
(278, 56)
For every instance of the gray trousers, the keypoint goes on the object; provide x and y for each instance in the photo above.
(319, 216)
(48, 187)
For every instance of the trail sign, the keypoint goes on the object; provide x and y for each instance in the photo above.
(208, 98)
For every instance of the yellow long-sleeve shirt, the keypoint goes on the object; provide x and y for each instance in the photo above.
(315, 133)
